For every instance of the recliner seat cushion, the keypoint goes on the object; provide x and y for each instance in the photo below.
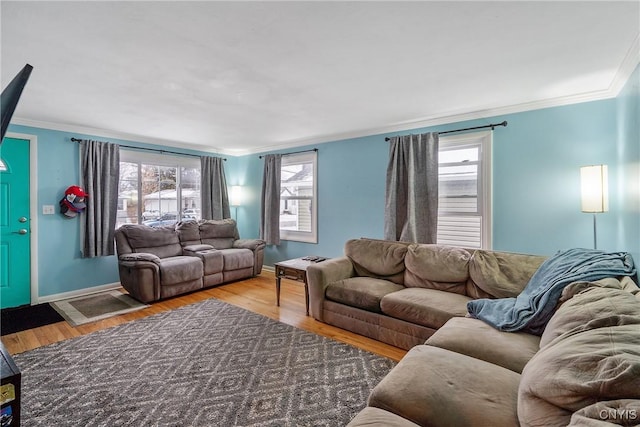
(235, 259)
(180, 269)
(361, 292)
(426, 307)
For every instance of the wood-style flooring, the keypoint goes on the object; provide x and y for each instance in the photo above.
(257, 294)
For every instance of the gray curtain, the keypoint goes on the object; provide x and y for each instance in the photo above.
(100, 173)
(213, 187)
(411, 203)
(270, 200)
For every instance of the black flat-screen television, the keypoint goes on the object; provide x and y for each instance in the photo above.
(11, 95)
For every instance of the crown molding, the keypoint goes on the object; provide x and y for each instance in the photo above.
(104, 133)
(627, 67)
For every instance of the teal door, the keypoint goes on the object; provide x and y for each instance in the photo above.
(15, 233)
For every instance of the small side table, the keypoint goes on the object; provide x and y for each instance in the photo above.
(294, 269)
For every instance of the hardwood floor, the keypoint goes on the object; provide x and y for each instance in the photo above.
(257, 294)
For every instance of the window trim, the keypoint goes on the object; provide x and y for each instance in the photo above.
(303, 236)
(485, 177)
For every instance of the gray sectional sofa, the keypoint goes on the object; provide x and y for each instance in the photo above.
(161, 262)
(584, 370)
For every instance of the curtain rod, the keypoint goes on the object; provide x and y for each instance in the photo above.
(492, 126)
(296, 152)
(150, 149)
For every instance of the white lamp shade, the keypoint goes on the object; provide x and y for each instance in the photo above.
(595, 188)
(235, 198)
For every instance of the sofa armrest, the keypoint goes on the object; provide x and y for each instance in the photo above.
(252, 244)
(140, 275)
(257, 247)
(139, 256)
(319, 276)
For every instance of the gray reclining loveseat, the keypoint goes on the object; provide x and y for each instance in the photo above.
(161, 262)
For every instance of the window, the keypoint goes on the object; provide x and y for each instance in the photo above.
(298, 197)
(157, 189)
(464, 189)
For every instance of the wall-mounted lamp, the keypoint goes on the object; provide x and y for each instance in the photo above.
(595, 193)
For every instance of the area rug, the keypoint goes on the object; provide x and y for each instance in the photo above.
(206, 364)
(19, 319)
(91, 308)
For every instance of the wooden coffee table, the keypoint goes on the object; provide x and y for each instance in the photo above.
(294, 269)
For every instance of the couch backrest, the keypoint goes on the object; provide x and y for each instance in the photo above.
(377, 258)
(188, 232)
(439, 267)
(500, 274)
(160, 241)
(218, 233)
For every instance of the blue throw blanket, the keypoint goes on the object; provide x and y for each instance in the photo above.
(531, 310)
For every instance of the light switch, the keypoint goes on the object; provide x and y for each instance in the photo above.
(48, 210)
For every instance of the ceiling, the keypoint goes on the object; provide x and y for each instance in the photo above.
(245, 77)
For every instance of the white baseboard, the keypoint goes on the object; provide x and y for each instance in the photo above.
(270, 268)
(79, 293)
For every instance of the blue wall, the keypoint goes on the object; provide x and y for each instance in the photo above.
(627, 150)
(536, 191)
(536, 200)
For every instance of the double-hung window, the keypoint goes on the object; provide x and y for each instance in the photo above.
(298, 197)
(464, 190)
(156, 189)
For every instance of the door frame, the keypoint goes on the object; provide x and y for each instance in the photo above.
(33, 209)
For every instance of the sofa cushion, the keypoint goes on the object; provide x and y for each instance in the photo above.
(473, 337)
(591, 305)
(502, 274)
(361, 292)
(160, 241)
(218, 233)
(371, 417)
(426, 307)
(377, 258)
(625, 412)
(188, 232)
(594, 357)
(179, 269)
(236, 259)
(437, 267)
(432, 386)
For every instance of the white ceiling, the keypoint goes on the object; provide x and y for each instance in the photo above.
(245, 77)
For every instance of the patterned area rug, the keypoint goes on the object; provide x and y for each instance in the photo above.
(206, 364)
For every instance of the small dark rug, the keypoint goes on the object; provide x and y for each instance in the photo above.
(19, 319)
(206, 364)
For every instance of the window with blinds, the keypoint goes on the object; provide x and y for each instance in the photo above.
(464, 190)
(298, 195)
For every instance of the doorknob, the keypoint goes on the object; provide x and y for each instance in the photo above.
(22, 219)
(21, 231)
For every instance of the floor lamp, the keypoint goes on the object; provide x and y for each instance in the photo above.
(235, 198)
(595, 193)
